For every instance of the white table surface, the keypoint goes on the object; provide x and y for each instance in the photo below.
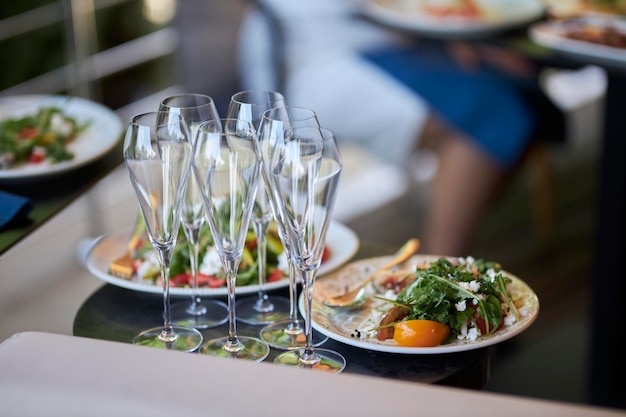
(43, 374)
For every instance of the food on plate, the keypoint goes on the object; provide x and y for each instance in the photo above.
(606, 34)
(420, 333)
(145, 267)
(454, 10)
(444, 300)
(35, 138)
(563, 9)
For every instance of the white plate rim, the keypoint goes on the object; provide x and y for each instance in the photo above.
(547, 34)
(102, 135)
(422, 24)
(341, 240)
(495, 338)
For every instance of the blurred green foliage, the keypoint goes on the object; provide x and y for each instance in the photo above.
(42, 50)
(31, 54)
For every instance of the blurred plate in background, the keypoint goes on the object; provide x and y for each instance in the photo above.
(599, 37)
(428, 18)
(103, 132)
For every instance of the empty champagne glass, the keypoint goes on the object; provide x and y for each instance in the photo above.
(227, 165)
(198, 313)
(276, 122)
(304, 180)
(157, 154)
(250, 105)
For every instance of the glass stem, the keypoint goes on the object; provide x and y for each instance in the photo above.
(233, 344)
(263, 303)
(165, 255)
(194, 249)
(294, 325)
(308, 357)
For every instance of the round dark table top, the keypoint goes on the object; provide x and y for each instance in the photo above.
(118, 314)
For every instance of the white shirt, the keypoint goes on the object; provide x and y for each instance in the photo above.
(325, 72)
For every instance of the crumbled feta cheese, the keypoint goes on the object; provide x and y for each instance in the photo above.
(149, 267)
(211, 264)
(468, 333)
(462, 331)
(58, 124)
(283, 262)
(509, 319)
(460, 306)
(473, 333)
(491, 273)
(367, 328)
(472, 286)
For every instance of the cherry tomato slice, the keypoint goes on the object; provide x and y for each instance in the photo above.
(420, 333)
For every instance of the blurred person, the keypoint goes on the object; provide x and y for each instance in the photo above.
(475, 107)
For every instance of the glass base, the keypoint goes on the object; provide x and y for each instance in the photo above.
(248, 348)
(201, 315)
(323, 360)
(251, 311)
(184, 339)
(287, 336)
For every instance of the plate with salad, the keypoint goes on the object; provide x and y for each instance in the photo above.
(454, 18)
(341, 245)
(431, 305)
(42, 135)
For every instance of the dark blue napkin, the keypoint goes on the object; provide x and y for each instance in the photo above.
(13, 208)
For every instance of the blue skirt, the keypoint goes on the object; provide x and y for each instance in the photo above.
(499, 112)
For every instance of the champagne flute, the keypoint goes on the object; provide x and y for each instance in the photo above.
(227, 165)
(250, 105)
(304, 178)
(198, 313)
(157, 154)
(276, 122)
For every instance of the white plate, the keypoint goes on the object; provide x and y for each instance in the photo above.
(552, 35)
(103, 132)
(342, 242)
(500, 15)
(340, 325)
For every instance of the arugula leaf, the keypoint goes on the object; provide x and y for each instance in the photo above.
(450, 293)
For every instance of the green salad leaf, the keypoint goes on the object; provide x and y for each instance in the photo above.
(248, 272)
(460, 293)
(44, 135)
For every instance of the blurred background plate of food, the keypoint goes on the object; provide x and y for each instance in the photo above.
(600, 37)
(565, 9)
(454, 18)
(43, 135)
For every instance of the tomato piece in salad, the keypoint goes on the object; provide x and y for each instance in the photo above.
(29, 133)
(37, 156)
(326, 254)
(275, 275)
(184, 280)
(420, 333)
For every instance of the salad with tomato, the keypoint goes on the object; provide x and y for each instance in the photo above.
(210, 272)
(446, 300)
(38, 137)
